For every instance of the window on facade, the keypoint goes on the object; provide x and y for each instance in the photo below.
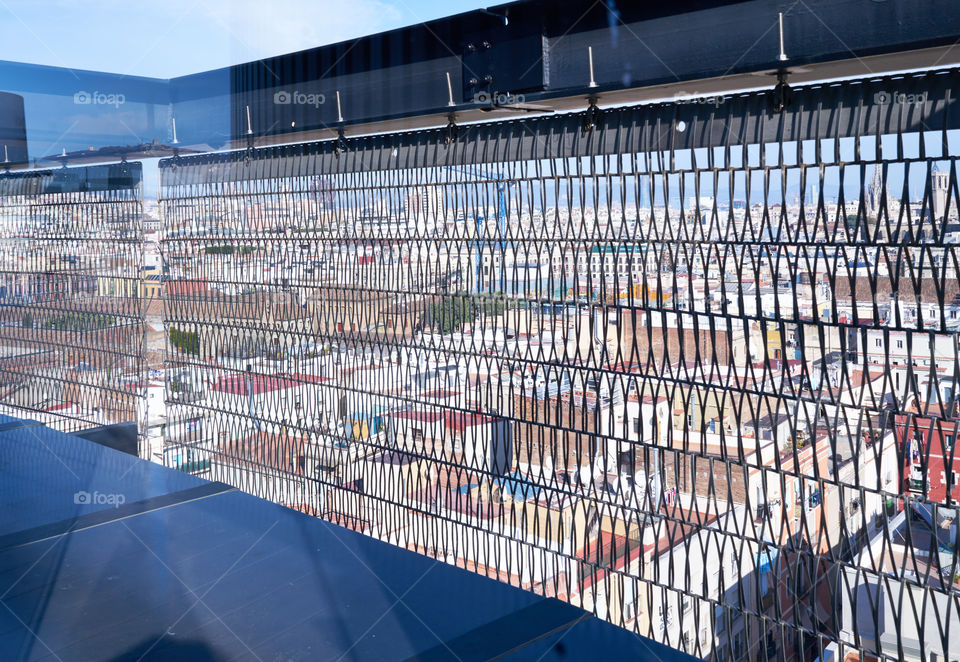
(666, 617)
(629, 600)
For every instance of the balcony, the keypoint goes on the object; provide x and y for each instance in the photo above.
(493, 306)
(106, 556)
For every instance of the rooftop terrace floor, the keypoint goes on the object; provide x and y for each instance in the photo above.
(185, 569)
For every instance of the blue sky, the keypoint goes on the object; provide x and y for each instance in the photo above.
(165, 38)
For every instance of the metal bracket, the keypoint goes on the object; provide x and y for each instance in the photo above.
(248, 155)
(340, 146)
(452, 128)
(782, 94)
(489, 63)
(592, 117)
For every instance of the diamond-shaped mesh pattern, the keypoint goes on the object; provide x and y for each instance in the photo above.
(71, 306)
(692, 365)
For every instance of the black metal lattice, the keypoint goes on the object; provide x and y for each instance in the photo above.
(689, 365)
(71, 312)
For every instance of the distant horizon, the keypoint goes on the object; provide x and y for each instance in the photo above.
(894, 184)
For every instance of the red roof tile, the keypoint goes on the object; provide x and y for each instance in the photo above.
(460, 420)
(239, 383)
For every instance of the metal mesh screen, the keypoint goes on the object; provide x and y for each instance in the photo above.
(691, 365)
(71, 312)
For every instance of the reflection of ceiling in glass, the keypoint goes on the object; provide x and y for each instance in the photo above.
(171, 38)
